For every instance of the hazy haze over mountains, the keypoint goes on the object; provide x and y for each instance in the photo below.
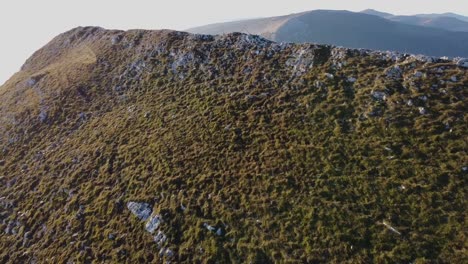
(448, 21)
(369, 29)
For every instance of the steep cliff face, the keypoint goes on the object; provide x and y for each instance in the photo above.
(162, 146)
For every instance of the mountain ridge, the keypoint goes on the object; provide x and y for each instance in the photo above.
(447, 21)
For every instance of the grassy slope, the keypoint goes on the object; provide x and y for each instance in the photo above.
(297, 172)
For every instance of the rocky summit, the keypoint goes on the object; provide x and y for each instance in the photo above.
(169, 147)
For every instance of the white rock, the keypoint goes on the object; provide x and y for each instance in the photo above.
(378, 95)
(210, 228)
(43, 116)
(422, 110)
(352, 79)
(462, 62)
(394, 72)
(140, 210)
(153, 223)
(166, 252)
(160, 238)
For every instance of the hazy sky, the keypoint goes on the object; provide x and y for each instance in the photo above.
(27, 25)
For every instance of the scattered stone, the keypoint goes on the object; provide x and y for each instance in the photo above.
(375, 112)
(34, 80)
(43, 116)
(418, 74)
(352, 79)
(82, 116)
(153, 223)
(465, 168)
(422, 110)
(379, 95)
(219, 232)
(210, 228)
(391, 228)
(250, 98)
(165, 252)
(31, 82)
(410, 102)
(169, 253)
(201, 37)
(302, 61)
(454, 79)
(329, 76)
(160, 238)
(423, 58)
(462, 62)
(394, 72)
(26, 237)
(111, 236)
(318, 84)
(12, 227)
(116, 39)
(140, 210)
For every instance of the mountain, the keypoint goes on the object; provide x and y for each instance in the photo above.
(162, 146)
(445, 21)
(448, 23)
(377, 13)
(348, 29)
(459, 17)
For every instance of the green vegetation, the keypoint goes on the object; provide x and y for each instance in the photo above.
(293, 165)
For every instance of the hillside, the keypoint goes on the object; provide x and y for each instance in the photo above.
(162, 146)
(348, 29)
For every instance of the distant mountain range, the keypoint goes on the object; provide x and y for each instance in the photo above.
(433, 34)
(447, 21)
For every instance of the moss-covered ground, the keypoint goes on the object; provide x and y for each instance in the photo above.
(252, 137)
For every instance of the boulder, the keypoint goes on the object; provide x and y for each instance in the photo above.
(462, 62)
(394, 72)
(43, 116)
(379, 95)
(160, 238)
(140, 210)
(422, 110)
(153, 223)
